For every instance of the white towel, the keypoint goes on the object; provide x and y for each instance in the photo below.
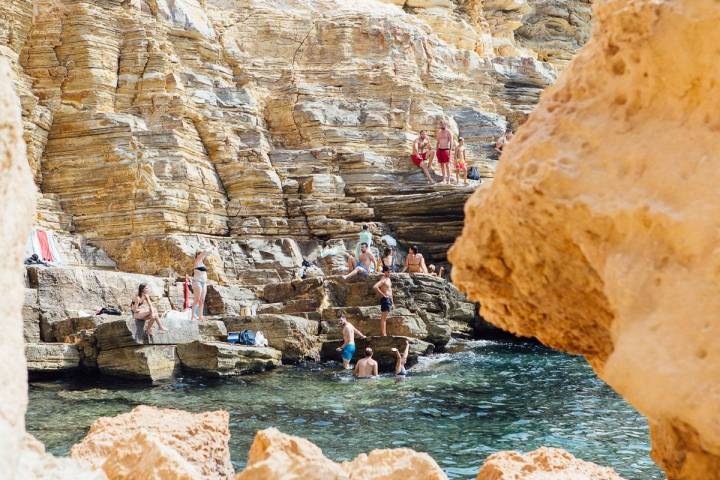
(54, 249)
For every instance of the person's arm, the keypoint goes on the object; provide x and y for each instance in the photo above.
(134, 306)
(360, 333)
(375, 370)
(397, 359)
(344, 341)
(356, 370)
(405, 267)
(422, 264)
(376, 287)
(407, 350)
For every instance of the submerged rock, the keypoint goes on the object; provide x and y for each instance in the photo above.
(177, 442)
(225, 359)
(542, 464)
(148, 363)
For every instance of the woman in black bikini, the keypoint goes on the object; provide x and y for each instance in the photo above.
(387, 260)
(199, 284)
(143, 309)
(414, 261)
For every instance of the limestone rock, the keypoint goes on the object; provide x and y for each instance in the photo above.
(151, 363)
(36, 464)
(31, 316)
(62, 329)
(222, 359)
(198, 439)
(51, 357)
(16, 199)
(381, 350)
(275, 456)
(212, 331)
(540, 464)
(296, 337)
(585, 242)
(129, 332)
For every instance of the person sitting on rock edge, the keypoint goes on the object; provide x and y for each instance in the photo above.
(384, 288)
(414, 261)
(401, 359)
(143, 309)
(366, 262)
(364, 237)
(387, 260)
(348, 346)
(366, 367)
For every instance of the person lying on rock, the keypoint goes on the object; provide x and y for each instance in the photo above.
(348, 346)
(414, 261)
(143, 309)
(384, 288)
(401, 359)
(421, 150)
(366, 367)
(366, 262)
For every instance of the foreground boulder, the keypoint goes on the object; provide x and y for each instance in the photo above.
(382, 352)
(541, 464)
(151, 363)
(128, 332)
(276, 456)
(219, 359)
(51, 357)
(35, 463)
(177, 442)
(585, 239)
(295, 337)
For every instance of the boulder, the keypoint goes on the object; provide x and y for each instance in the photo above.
(543, 463)
(148, 363)
(381, 350)
(128, 332)
(51, 357)
(297, 296)
(62, 329)
(219, 359)
(295, 337)
(199, 442)
(400, 321)
(34, 463)
(277, 456)
(212, 331)
(228, 300)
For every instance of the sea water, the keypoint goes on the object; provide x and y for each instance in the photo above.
(458, 407)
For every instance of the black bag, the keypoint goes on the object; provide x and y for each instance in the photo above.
(473, 173)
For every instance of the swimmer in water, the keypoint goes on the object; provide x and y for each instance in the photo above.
(366, 367)
(401, 359)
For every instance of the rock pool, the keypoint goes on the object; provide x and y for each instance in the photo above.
(459, 407)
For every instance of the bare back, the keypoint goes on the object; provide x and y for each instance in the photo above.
(366, 367)
(349, 334)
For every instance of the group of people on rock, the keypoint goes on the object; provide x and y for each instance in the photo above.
(446, 149)
(367, 367)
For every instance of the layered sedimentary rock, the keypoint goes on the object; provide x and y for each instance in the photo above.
(586, 242)
(200, 439)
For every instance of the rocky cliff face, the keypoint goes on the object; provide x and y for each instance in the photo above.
(588, 242)
(229, 119)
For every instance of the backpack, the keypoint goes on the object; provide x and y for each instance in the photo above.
(473, 173)
(246, 337)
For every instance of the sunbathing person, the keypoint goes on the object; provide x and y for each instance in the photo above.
(365, 265)
(143, 309)
(387, 260)
(414, 261)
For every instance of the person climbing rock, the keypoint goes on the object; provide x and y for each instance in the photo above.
(414, 261)
(384, 288)
(366, 367)
(143, 309)
(366, 263)
(444, 148)
(421, 150)
(348, 346)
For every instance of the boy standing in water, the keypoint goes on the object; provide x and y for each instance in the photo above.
(348, 346)
(384, 288)
(460, 163)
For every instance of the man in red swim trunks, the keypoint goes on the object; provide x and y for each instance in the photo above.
(444, 147)
(421, 148)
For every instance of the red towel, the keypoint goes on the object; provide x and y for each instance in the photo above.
(187, 295)
(44, 246)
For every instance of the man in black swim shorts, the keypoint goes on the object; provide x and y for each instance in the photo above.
(384, 288)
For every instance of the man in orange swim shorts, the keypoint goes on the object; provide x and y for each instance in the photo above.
(421, 148)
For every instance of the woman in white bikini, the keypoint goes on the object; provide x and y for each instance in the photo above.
(199, 284)
(143, 309)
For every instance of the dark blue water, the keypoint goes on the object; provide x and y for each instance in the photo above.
(458, 407)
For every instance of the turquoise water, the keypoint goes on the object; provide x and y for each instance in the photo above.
(458, 407)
